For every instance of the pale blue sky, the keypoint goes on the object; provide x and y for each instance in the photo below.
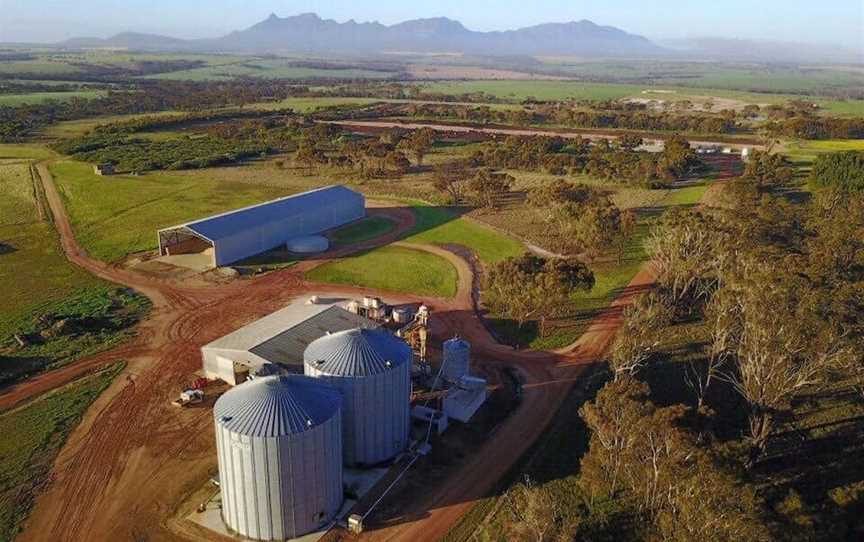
(838, 22)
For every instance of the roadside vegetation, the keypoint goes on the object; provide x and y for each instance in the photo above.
(364, 230)
(734, 385)
(32, 437)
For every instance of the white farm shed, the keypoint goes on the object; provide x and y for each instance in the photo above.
(240, 234)
(279, 338)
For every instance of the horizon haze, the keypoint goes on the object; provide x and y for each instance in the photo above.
(836, 24)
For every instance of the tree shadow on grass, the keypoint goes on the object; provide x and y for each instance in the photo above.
(6, 249)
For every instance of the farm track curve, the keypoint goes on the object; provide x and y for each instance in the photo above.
(133, 458)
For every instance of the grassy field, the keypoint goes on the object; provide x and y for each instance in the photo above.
(73, 128)
(368, 228)
(41, 288)
(396, 269)
(25, 151)
(270, 68)
(31, 266)
(307, 105)
(442, 226)
(805, 152)
(32, 437)
(119, 215)
(577, 90)
(39, 97)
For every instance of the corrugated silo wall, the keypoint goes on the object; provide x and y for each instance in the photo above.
(276, 488)
(376, 413)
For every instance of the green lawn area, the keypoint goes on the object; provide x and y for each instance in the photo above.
(119, 215)
(396, 269)
(363, 230)
(442, 226)
(32, 437)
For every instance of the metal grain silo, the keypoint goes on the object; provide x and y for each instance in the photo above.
(457, 356)
(372, 369)
(279, 441)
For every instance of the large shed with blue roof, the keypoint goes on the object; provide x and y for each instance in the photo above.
(246, 232)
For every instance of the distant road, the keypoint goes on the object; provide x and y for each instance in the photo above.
(514, 131)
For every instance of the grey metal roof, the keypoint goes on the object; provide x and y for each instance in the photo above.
(287, 347)
(357, 352)
(275, 406)
(227, 224)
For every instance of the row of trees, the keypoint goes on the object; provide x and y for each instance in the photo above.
(574, 116)
(620, 161)
(776, 285)
(139, 155)
(17, 123)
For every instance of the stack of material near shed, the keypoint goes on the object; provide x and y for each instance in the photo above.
(372, 369)
(279, 443)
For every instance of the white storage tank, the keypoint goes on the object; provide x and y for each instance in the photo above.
(457, 356)
(279, 444)
(372, 369)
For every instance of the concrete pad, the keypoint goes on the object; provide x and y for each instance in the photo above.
(361, 481)
(200, 261)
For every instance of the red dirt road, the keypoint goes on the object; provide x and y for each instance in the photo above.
(134, 458)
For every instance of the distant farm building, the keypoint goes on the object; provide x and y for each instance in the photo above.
(240, 234)
(103, 169)
(278, 339)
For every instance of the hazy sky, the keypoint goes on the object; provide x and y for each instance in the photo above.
(839, 22)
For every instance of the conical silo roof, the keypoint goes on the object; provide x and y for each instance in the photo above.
(274, 406)
(357, 352)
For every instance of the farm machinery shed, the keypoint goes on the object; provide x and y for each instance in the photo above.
(246, 232)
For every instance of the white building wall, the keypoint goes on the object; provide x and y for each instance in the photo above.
(279, 488)
(376, 413)
(219, 363)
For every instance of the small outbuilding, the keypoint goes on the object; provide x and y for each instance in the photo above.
(103, 169)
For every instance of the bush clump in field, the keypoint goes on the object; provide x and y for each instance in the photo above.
(56, 333)
(529, 287)
(135, 155)
(842, 170)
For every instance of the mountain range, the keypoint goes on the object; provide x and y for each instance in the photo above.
(309, 33)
